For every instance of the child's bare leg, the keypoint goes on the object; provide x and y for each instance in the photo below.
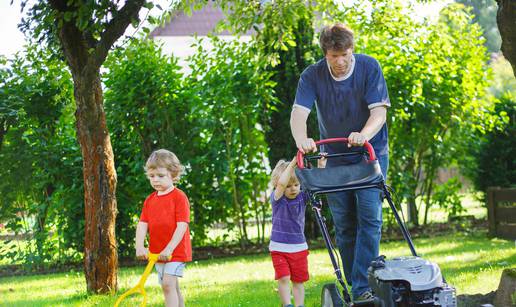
(169, 287)
(284, 289)
(298, 290)
(179, 295)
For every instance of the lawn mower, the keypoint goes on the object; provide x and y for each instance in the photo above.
(402, 281)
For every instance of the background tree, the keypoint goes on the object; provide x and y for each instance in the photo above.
(284, 33)
(431, 93)
(495, 156)
(229, 81)
(146, 109)
(484, 12)
(151, 105)
(429, 90)
(85, 32)
(36, 105)
(491, 163)
(505, 18)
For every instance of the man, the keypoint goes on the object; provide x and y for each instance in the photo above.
(351, 97)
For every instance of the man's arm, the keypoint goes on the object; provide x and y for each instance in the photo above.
(298, 118)
(377, 118)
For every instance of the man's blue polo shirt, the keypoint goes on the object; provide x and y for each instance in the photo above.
(343, 104)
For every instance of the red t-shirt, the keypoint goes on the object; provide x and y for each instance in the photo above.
(161, 213)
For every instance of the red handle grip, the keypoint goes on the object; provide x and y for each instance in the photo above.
(370, 150)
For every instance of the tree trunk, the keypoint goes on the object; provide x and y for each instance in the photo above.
(506, 19)
(85, 53)
(41, 218)
(100, 254)
(428, 203)
(412, 211)
(4, 127)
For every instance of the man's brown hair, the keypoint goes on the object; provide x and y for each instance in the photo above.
(336, 37)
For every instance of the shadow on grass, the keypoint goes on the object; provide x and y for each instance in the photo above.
(460, 268)
(475, 300)
(71, 300)
(454, 249)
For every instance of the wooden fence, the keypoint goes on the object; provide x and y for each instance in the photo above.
(501, 212)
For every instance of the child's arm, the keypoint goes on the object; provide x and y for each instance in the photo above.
(176, 238)
(284, 179)
(141, 232)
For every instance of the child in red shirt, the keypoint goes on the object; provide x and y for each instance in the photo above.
(165, 215)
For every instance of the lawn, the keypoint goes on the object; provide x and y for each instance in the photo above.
(472, 263)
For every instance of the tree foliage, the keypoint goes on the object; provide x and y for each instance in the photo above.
(146, 108)
(228, 118)
(35, 154)
(151, 105)
(484, 12)
(436, 74)
(495, 155)
(437, 92)
(230, 82)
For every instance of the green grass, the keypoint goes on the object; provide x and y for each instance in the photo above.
(473, 264)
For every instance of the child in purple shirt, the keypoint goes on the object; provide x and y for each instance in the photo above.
(288, 247)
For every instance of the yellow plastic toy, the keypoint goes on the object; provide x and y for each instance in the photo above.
(140, 287)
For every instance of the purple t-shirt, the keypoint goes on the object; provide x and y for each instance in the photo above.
(288, 219)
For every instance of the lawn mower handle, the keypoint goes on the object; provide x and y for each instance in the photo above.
(367, 145)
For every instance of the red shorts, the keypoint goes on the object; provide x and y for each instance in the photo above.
(293, 264)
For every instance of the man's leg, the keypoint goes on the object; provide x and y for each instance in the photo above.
(369, 231)
(343, 211)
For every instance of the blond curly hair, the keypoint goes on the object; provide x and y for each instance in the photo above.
(166, 159)
(278, 170)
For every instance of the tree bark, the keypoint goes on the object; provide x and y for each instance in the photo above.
(506, 19)
(85, 55)
(100, 254)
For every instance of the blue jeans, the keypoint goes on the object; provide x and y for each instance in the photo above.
(357, 216)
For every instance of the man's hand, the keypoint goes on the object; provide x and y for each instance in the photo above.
(165, 254)
(142, 253)
(356, 139)
(307, 145)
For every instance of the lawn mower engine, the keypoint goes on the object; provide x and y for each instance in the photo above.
(409, 281)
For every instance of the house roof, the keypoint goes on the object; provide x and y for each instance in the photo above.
(201, 22)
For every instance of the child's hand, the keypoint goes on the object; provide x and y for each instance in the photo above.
(165, 254)
(321, 163)
(142, 253)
